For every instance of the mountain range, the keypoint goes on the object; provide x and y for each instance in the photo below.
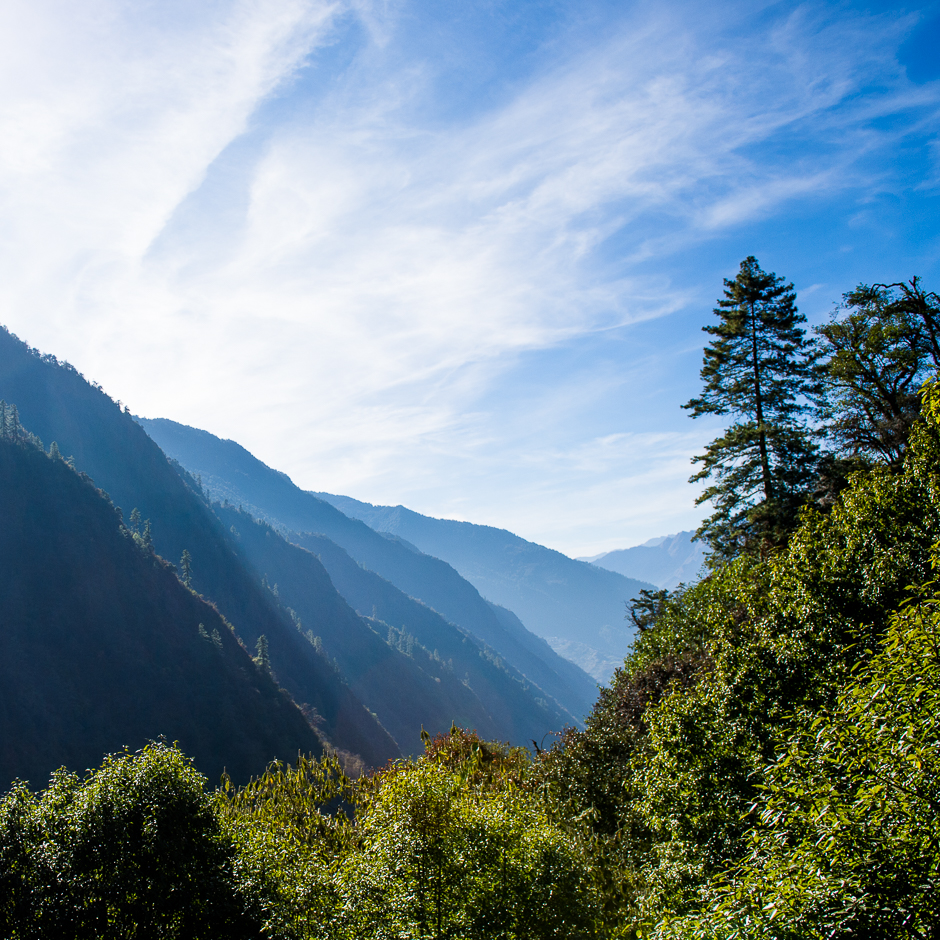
(577, 608)
(162, 581)
(228, 472)
(667, 561)
(363, 675)
(103, 441)
(553, 604)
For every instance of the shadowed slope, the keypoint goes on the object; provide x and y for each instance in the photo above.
(556, 597)
(101, 646)
(56, 403)
(228, 471)
(406, 684)
(521, 711)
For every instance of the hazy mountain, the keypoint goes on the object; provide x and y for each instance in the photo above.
(228, 471)
(101, 646)
(576, 607)
(665, 561)
(407, 664)
(507, 694)
(56, 403)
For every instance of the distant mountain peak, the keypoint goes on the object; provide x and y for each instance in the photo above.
(666, 561)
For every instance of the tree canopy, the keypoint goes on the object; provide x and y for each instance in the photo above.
(876, 356)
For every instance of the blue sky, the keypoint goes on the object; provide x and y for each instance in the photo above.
(453, 255)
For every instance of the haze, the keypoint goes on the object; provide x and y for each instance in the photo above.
(455, 256)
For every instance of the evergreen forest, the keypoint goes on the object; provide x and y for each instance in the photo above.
(764, 764)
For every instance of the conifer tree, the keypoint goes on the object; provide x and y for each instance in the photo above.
(186, 568)
(263, 658)
(760, 370)
(10, 427)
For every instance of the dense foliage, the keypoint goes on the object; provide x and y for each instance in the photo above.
(766, 764)
(452, 845)
(133, 850)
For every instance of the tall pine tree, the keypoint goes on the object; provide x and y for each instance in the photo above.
(759, 369)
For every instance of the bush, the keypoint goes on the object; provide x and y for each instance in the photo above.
(132, 850)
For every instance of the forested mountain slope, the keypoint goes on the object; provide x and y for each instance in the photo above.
(102, 646)
(57, 404)
(506, 692)
(228, 471)
(576, 607)
(407, 664)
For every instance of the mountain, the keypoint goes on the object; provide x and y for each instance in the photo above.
(56, 403)
(102, 646)
(666, 561)
(577, 608)
(229, 472)
(406, 663)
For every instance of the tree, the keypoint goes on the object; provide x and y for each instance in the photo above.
(147, 537)
(453, 846)
(876, 357)
(186, 568)
(645, 610)
(760, 369)
(10, 427)
(132, 850)
(262, 656)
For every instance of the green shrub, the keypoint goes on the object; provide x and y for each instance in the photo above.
(132, 850)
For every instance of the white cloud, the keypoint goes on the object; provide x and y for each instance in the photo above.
(356, 309)
(109, 120)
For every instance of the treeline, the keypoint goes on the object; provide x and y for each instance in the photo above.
(764, 765)
(456, 844)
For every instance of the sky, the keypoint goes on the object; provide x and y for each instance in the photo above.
(453, 255)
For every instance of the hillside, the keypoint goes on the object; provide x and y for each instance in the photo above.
(229, 472)
(57, 404)
(507, 694)
(101, 646)
(407, 664)
(578, 609)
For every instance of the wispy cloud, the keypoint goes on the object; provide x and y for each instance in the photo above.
(347, 287)
(111, 114)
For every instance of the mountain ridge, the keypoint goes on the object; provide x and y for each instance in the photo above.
(666, 561)
(577, 608)
(399, 675)
(56, 403)
(102, 646)
(229, 471)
